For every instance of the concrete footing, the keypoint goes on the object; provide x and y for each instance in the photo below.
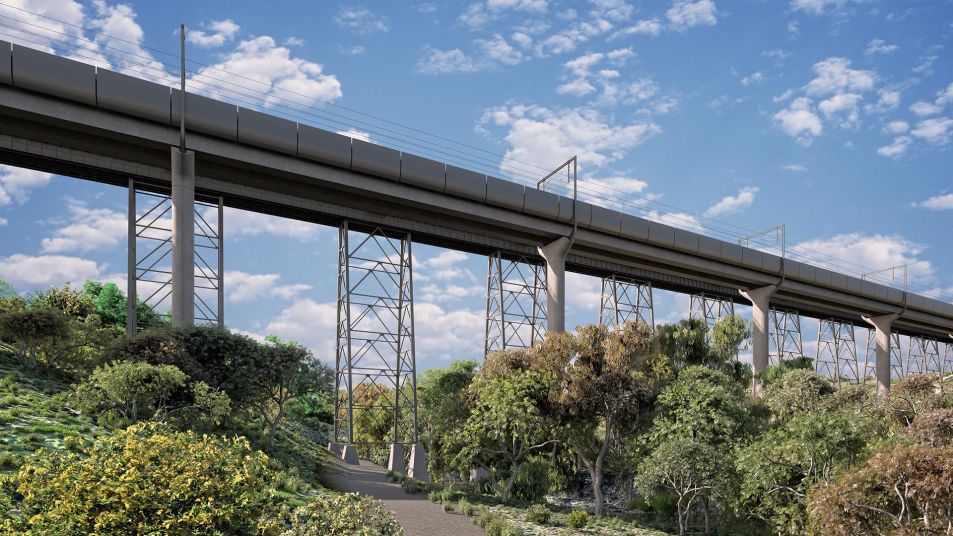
(478, 473)
(418, 463)
(335, 448)
(395, 462)
(349, 455)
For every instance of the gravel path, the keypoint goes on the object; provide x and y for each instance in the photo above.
(417, 514)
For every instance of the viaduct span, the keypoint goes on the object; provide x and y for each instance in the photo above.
(70, 118)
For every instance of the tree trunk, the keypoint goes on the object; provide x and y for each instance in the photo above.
(707, 509)
(505, 496)
(681, 517)
(600, 502)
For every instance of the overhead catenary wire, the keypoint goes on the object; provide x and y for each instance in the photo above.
(306, 112)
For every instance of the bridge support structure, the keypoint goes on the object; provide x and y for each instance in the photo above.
(183, 237)
(555, 255)
(626, 300)
(836, 355)
(709, 308)
(516, 305)
(923, 356)
(760, 299)
(785, 337)
(376, 369)
(886, 350)
(152, 268)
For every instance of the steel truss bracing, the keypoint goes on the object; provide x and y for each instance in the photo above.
(897, 369)
(515, 303)
(376, 378)
(150, 259)
(626, 300)
(837, 351)
(785, 336)
(710, 308)
(923, 355)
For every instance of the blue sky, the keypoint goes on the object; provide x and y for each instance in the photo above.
(832, 117)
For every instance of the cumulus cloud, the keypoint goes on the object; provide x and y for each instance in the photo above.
(795, 168)
(879, 46)
(310, 323)
(88, 229)
(938, 202)
(649, 27)
(732, 204)
(361, 20)
(817, 7)
(897, 127)
(799, 121)
(479, 14)
(897, 148)
(436, 61)
(843, 108)
(245, 223)
(546, 137)
(243, 287)
(685, 13)
(834, 75)
(924, 109)
(936, 131)
(280, 76)
(682, 220)
(16, 184)
(856, 253)
(215, 33)
(36, 272)
(752, 78)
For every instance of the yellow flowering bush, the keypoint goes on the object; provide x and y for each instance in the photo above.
(146, 480)
(342, 515)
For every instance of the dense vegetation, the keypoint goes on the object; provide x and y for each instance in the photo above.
(172, 431)
(660, 429)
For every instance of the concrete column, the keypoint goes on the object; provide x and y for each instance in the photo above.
(555, 255)
(760, 299)
(882, 326)
(418, 463)
(349, 454)
(183, 238)
(396, 460)
(336, 448)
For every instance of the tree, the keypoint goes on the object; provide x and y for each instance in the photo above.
(780, 469)
(686, 343)
(906, 490)
(73, 304)
(933, 428)
(911, 396)
(797, 391)
(284, 371)
(122, 393)
(442, 411)
(727, 335)
(506, 424)
(689, 469)
(609, 380)
(33, 331)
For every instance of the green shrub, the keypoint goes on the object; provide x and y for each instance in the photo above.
(434, 496)
(466, 508)
(487, 519)
(577, 519)
(447, 506)
(512, 530)
(662, 503)
(538, 514)
(412, 485)
(147, 480)
(494, 527)
(638, 504)
(342, 515)
(532, 481)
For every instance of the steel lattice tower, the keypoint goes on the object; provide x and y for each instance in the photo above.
(376, 365)
(784, 337)
(896, 356)
(923, 355)
(515, 303)
(150, 257)
(710, 308)
(626, 300)
(837, 351)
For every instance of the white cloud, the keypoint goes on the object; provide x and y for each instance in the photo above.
(752, 78)
(361, 20)
(499, 50)
(682, 220)
(843, 107)
(938, 202)
(879, 46)
(119, 31)
(686, 13)
(733, 203)
(936, 131)
(889, 100)
(571, 37)
(17, 183)
(444, 259)
(436, 61)
(354, 50)
(834, 75)
(856, 253)
(4, 222)
(924, 109)
(650, 27)
(242, 287)
(945, 96)
(282, 78)
(89, 229)
(546, 137)
(799, 121)
(795, 168)
(245, 223)
(897, 148)
(219, 32)
(897, 127)
(357, 135)
(479, 14)
(25, 271)
(310, 323)
(583, 292)
(817, 7)
(616, 191)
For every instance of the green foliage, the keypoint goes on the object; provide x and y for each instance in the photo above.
(772, 373)
(447, 506)
(147, 480)
(911, 396)
(533, 480)
(111, 304)
(442, 411)
(70, 302)
(727, 335)
(538, 514)
(342, 515)
(577, 519)
(123, 393)
(34, 333)
(797, 391)
(690, 470)
(466, 507)
(413, 486)
(685, 343)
